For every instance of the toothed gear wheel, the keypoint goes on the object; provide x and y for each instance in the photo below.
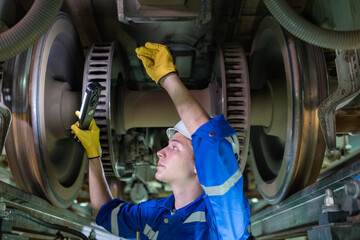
(236, 95)
(98, 68)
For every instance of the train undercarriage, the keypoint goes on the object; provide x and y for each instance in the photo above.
(292, 98)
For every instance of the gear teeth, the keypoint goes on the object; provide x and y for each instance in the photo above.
(237, 94)
(98, 69)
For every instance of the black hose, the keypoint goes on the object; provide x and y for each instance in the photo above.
(29, 29)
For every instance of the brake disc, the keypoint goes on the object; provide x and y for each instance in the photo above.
(103, 65)
(236, 95)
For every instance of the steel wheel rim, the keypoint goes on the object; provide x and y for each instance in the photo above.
(298, 163)
(53, 93)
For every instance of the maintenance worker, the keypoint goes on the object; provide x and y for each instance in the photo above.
(208, 201)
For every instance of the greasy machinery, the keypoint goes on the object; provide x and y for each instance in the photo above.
(288, 76)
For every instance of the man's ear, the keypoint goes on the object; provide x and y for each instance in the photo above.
(195, 170)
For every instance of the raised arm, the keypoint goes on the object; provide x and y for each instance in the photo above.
(216, 165)
(189, 109)
(159, 65)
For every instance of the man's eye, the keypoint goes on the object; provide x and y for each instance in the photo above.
(174, 148)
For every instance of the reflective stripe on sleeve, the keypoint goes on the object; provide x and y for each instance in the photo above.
(114, 220)
(223, 188)
(196, 217)
(150, 233)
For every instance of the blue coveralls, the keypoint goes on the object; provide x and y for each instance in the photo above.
(222, 212)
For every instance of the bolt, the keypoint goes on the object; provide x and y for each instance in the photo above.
(329, 199)
(352, 189)
(330, 202)
(348, 147)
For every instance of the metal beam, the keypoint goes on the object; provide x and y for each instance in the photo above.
(33, 216)
(301, 210)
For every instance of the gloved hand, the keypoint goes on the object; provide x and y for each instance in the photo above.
(157, 60)
(90, 139)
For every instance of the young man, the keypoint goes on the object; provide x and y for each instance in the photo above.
(208, 200)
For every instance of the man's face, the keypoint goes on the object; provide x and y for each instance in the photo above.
(176, 161)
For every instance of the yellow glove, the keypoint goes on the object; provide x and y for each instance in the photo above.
(157, 60)
(90, 139)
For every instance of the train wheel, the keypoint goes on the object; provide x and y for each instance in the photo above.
(42, 87)
(288, 82)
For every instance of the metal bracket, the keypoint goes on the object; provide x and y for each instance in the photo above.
(5, 115)
(348, 73)
(5, 121)
(147, 11)
(335, 231)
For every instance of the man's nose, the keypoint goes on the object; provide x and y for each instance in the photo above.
(161, 153)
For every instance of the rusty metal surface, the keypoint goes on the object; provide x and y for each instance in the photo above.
(348, 72)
